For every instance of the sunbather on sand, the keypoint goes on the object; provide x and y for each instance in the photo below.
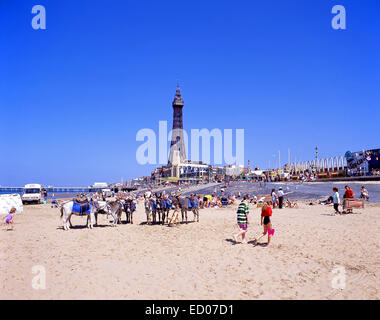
(290, 204)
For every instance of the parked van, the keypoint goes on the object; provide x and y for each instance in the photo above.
(107, 192)
(32, 193)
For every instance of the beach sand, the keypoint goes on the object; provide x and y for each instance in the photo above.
(194, 261)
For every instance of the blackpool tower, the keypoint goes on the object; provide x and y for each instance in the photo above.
(177, 146)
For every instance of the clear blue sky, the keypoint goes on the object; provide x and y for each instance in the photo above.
(73, 96)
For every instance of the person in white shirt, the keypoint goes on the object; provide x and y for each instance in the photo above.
(280, 194)
(336, 200)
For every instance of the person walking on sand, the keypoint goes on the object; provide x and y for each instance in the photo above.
(175, 215)
(54, 202)
(45, 194)
(280, 197)
(336, 200)
(266, 213)
(242, 219)
(274, 198)
(9, 219)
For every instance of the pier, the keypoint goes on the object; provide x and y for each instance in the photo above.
(51, 190)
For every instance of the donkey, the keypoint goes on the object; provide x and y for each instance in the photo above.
(156, 208)
(148, 209)
(114, 208)
(71, 207)
(183, 204)
(129, 207)
(194, 207)
(166, 205)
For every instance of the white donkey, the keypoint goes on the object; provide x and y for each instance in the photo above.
(67, 210)
(114, 208)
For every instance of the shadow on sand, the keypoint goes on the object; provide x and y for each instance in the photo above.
(251, 242)
(160, 224)
(78, 227)
(124, 222)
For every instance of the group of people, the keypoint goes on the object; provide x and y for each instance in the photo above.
(212, 201)
(207, 201)
(278, 200)
(348, 194)
(243, 221)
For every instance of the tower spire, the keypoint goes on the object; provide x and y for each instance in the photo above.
(178, 101)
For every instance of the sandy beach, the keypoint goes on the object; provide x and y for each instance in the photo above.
(194, 261)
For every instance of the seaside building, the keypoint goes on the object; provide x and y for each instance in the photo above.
(234, 170)
(365, 162)
(100, 185)
(360, 163)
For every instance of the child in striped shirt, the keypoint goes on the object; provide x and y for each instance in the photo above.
(242, 219)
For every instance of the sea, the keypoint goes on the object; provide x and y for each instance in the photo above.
(311, 191)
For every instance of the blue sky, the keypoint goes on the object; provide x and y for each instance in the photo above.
(73, 96)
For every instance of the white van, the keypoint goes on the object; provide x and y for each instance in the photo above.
(32, 193)
(107, 192)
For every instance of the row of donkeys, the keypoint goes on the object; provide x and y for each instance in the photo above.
(156, 206)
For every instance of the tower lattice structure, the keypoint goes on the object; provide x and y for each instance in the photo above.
(177, 145)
